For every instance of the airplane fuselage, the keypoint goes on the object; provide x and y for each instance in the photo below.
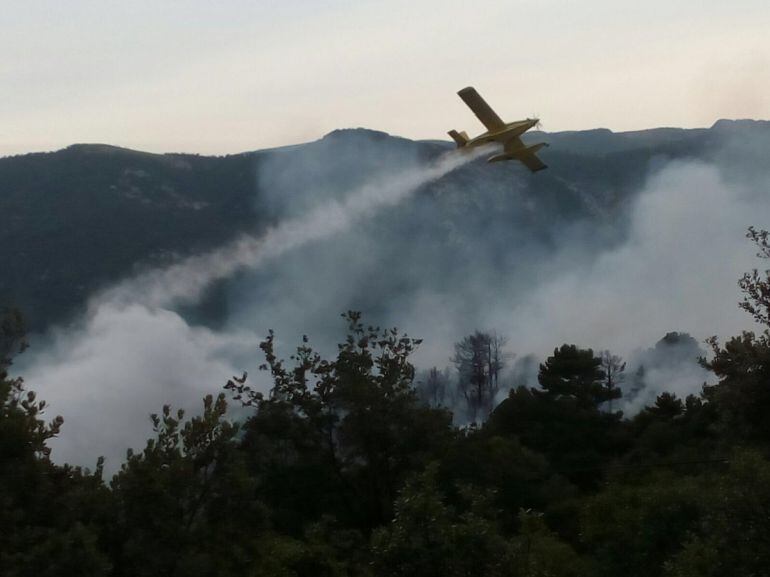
(512, 130)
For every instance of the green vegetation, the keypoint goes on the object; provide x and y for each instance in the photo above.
(344, 469)
(78, 219)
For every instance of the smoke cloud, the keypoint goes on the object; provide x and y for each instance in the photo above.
(124, 363)
(133, 353)
(186, 281)
(462, 254)
(677, 270)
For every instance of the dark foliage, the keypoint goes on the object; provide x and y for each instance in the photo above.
(341, 469)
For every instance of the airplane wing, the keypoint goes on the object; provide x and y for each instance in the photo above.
(513, 145)
(481, 109)
(532, 162)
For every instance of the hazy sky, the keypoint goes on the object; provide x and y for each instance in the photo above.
(233, 75)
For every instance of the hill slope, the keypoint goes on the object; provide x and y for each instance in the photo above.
(78, 219)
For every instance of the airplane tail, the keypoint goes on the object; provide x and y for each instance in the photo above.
(461, 138)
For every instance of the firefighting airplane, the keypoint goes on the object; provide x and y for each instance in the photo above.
(499, 131)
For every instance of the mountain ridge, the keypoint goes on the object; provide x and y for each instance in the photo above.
(75, 220)
(721, 123)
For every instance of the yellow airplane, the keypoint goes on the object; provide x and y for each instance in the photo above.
(499, 131)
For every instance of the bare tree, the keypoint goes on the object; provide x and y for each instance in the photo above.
(614, 373)
(479, 359)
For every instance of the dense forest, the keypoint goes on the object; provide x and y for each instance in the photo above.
(352, 466)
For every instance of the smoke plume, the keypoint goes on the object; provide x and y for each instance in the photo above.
(133, 352)
(478, 251)
(186, 281)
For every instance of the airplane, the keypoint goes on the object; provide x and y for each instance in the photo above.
(499, 131)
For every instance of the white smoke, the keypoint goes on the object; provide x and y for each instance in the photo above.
(676, 271)
(132, 353)
(124, 363)
(186, 281)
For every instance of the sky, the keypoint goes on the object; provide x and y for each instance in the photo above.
(224, 77)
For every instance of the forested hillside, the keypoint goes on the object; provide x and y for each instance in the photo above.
(354, 460)
(76, 220)
(342, 470)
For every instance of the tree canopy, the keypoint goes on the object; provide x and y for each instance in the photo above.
(342, 468)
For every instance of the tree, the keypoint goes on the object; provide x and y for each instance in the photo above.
(667, 407)
(12, 338)
(575, 373)
(20, 410)
(674, 429)
(50, 515)
(430, 538)
(577, 438)
(185, 505)
(756, 286)
(614, 374)
(479, 359)
(633, 528)
(733, 535)
(742, 395)
(496, 463)
(356, 420)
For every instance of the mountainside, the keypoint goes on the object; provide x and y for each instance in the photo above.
(75, 220)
